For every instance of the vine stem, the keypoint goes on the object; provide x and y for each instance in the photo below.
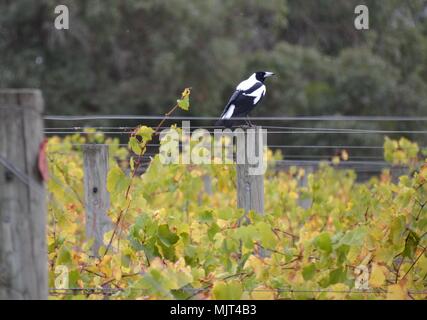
(123, 211)
(414, 263)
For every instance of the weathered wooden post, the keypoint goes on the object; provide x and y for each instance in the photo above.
(250, 182)
(207, 188)
(303, 183)
(23, 249)
(207, 184)
(97, 199)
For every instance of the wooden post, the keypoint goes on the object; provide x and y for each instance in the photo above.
(207, 188)
(97, 199)
(303, 183)
(250, 187)
(23, 249)
(207, 184)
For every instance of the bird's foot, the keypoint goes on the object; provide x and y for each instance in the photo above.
(249, 123)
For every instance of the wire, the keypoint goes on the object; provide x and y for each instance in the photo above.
(311, 162)
(302, 156)
(294, 156)
(277, 118)
(277, 146)
(286, 130)
(27, 180)
(279, 290)
(323, 147)
(87, 133)
(268, 132)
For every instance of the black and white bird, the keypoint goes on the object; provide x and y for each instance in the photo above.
(247, 95)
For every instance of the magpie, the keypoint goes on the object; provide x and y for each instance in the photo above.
(247, 95)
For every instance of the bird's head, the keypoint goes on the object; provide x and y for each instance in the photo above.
(262, 75)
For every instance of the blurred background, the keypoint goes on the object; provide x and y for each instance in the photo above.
(135, 57)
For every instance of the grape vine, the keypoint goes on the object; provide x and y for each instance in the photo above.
(171, 240)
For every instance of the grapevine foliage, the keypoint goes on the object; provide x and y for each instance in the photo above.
(175, 241)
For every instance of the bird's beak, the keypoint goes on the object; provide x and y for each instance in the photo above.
(269, 74)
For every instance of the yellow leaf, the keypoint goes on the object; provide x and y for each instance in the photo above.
(186, 93)
(105, 260)
(344, 155)
(422, 264)
(396, 292)
(184, 102)
(117, 273)
(227, 290)
(377, 277)
(257, 266)
(337, 292)
(336, 160)
(262, 293)
(293, 195)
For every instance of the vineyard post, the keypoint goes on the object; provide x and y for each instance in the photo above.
(303, 183)
(207, 184)
(207, 188)
(23, 249)
(250, 188)
(97, 199)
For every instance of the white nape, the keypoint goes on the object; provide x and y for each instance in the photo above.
(248, 83)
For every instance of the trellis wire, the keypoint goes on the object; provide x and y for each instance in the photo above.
(353, 132)
(277, 118)
(149, 155)
(278, 146)
(23, 177)
(277, 290)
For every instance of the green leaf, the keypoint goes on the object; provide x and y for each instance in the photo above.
(64, 256)
(323, 242)
(354, 237)
(267, 237)
(309, 271)
(184, 104)
(225, 213)
(227, 291)
(168, 252)
(73, 277)
(411, 245)
(206, 216)
(213, 230)
(397, 228)
(167, 237)
(337, 276)
(248, 234)
(134, 145)
(146, 133)
(117, 181)
(132, 163)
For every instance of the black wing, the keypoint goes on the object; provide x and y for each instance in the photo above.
(239, 95)
(233, 98)
(244, 103)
